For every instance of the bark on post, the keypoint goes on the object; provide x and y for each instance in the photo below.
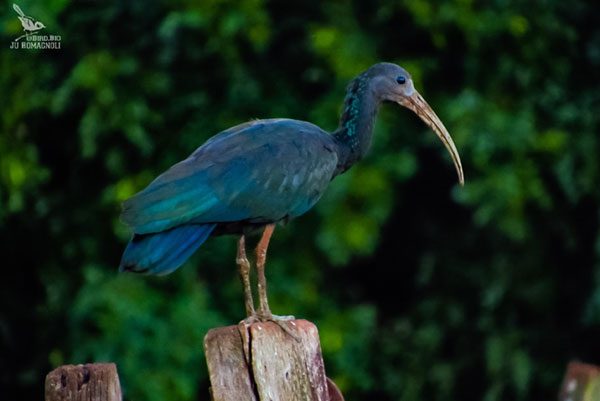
(90, 382)
(264, 363)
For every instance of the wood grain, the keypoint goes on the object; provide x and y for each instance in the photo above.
(261, 362)
(90, 382)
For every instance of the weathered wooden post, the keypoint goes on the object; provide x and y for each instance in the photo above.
(256, 363)
(581, 383)
(263, 363)
(90, 382)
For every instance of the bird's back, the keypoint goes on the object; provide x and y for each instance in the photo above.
(255, 173)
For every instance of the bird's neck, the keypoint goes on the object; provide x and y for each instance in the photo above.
(356, 124)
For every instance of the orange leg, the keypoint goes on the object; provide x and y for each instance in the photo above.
(261, 256)
(244, 269)
(263, 313)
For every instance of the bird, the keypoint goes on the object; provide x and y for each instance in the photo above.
(257, 175)
(29, 24)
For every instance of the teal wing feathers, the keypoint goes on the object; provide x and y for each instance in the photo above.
(261, 172)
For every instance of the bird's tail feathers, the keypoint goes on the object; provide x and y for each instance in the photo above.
(18, 10)
(163, 252)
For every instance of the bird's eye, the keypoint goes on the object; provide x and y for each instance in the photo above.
(401, 79)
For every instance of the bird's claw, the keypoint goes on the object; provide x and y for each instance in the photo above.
(282, 321)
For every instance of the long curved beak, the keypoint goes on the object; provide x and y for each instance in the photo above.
(419, 106)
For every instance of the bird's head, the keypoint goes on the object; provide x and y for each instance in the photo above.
(393, 83)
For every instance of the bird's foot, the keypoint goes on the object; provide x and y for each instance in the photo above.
(282, 321)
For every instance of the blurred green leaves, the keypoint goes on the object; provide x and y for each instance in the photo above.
(156, 335)
(421, 289)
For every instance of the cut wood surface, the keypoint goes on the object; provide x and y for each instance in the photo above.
(90, 382)
(262, 362)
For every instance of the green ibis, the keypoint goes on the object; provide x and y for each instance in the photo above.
(259, 174)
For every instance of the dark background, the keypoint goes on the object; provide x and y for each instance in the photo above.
(422, 290)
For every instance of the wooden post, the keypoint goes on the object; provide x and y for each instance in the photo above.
(581, 383)
(91, 382)
(264, 363)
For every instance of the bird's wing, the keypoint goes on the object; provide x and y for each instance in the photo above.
(27, 24)
(262, 171)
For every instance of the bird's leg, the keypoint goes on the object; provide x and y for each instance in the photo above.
(244, 269)
(261, 256)
(264, 312)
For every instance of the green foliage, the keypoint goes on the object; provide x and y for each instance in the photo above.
(421, 289)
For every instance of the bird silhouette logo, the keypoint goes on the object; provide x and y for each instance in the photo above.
(29, 24)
